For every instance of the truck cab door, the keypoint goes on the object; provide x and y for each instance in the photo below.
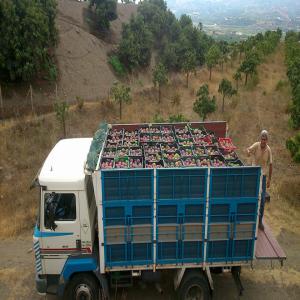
(60, 229)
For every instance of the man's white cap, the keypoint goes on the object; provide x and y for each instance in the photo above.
(264, 133)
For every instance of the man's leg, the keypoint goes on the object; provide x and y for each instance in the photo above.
(262, 202)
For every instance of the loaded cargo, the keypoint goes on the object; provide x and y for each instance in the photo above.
(161, 196)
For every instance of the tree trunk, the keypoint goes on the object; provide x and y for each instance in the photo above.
(203, 117)
(246, 78)
(222, 66)
(1, 104)
(159, 93)
(237, 85)
(120, 109)
(210, 73)
(187, 79)
(64, 126)
(223, 103)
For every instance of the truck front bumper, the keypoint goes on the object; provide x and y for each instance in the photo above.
(41, 285)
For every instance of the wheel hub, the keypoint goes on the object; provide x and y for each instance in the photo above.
(83, 292)
(194, 293)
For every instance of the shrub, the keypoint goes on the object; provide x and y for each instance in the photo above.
(79, 102)
(117, 66)
(293, 145)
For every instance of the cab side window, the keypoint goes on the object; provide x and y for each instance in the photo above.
(59, 207)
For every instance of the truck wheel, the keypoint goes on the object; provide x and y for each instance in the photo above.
(83, 287)
(194, 286)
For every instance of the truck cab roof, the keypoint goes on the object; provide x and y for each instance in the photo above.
(64, 167)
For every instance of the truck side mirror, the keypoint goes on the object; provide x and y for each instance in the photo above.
(50, 210)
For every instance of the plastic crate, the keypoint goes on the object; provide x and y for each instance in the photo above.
(213, 151)
(186, 151)
(136, 162)
(199, 151)
(154, 165)
(107, 163)
(174, 156)
(205, 141)
(169, 148)
(217, 161)
(234, 163)
(173, 163)
(189, 162)
(226, 144)
(109, 153)
(123, 160)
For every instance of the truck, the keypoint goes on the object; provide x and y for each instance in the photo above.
(139, 201)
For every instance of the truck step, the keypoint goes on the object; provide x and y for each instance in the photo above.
(121, 279)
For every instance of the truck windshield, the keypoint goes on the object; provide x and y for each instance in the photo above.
(59, 207)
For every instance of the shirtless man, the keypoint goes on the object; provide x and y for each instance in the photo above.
(262, 156)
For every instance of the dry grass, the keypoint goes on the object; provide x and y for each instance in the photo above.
(26, 142)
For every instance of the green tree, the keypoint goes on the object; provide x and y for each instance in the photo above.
(121, 94)
(106, 11)
(248, 66)
(212, 57)
(27, 31)
(159, 77)
(226, 90)
(61, 111)
(204, 104)
(189, 64)
(136, 44)
(237, 76)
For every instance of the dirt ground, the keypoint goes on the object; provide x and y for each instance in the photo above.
(266, 281)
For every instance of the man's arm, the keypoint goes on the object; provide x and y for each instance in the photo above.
(251, 149)
(270, 175)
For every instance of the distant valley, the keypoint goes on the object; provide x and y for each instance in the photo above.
(237, 19)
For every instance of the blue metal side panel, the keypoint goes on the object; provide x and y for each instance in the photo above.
(181, 196)
(128, 217)
(233, 194)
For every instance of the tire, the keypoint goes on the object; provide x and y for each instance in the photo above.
(194, 286)
(83, 287)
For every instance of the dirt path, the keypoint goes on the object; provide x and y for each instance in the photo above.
(261, 283)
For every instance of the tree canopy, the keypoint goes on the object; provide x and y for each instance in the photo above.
(27, 30)
(226, 90)
(204, 104)
(160, 77)
(106, 11)
(212, 57)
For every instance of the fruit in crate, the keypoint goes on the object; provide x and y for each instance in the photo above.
(152, 149)
(156, 138)
(168, 138)
(116, 133)
(172, 156)
(123, 152)
(173, 164)
(212, 151)
(145, 138)
(120, 164)
(153, 157)
(186, 152)
(129, 144)
(131, 133)
(205, 162)
(226, 143)
(109, 153)
(233, 164)
(109, 145)
(166, 129)
(183, 130)
(199, 151)
(187, 143)
(183, 136)
(169, 148)
(135, 163)
(136, 152)
(115, 139)
(153, 165)
(107, 164)
(189, 162)
(230, 155)
(215, 162)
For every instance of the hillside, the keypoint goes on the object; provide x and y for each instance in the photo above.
(27, 141)
(81, 57)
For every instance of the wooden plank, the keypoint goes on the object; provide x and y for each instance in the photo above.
(267, 246)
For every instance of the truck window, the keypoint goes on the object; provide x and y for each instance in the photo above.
(63, 207)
